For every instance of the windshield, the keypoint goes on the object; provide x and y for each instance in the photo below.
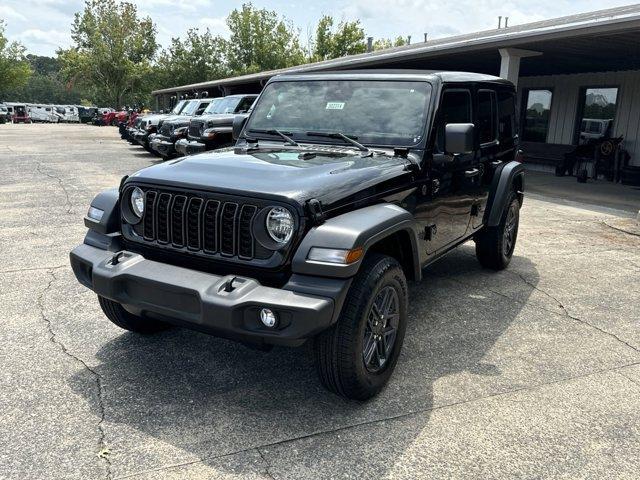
(213, 106)
(371, 111)
(178, 107)
(190, 107)
(225, 105)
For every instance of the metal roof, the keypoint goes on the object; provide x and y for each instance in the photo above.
(618, 19)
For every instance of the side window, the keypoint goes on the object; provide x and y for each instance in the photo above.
(455, 107)
(506, 115)
(201, 108)
(487, 131)
(245, 104)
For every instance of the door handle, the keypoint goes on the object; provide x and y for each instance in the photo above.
(471, 173)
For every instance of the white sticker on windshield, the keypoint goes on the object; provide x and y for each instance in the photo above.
(334, 106)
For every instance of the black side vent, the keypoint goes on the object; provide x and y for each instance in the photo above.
(162, 223)
(193, 223)
(245, 236)
(149, 215)
(210, 226)
(177, 220)
(228, 228)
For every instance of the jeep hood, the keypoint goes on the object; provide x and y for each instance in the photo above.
(279, 174)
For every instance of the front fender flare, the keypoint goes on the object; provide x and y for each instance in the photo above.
(109, 202)
(359, 228)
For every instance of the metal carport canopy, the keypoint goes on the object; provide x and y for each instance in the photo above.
(605, 39)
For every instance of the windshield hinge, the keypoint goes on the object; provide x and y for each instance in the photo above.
(315, 210)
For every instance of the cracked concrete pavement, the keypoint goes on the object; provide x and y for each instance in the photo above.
(533, 372)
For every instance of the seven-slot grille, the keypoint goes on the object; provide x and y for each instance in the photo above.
(207, 225)
(195, 128)
(166, 129)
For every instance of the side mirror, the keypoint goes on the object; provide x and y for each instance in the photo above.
(459, 138)
(238, 125)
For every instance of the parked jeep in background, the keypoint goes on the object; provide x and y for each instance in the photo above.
(175, 127)
(20, 113)
(341, 187)
(151, 124)
(214, 128)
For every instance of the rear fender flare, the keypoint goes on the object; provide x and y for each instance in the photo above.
(503, 184)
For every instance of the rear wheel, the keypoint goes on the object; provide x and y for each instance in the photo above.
(119, 316)
(356, 357)
(495, 245)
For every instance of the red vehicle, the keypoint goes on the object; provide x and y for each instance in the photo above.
(20, 114)
(114, 118)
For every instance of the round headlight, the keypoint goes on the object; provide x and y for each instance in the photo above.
(137, 202)
(279, 224)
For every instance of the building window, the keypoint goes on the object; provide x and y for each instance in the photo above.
(487, 117)
(536, 115)
(598, 111)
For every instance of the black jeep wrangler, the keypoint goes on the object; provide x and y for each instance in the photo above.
(341, 187)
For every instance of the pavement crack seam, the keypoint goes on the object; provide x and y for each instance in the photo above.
(567, 314)
(628, 378)
(103, 451)
(267, 464)
(61, 183)
(33, 269)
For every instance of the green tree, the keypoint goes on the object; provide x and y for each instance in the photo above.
(15, 70)
(383, 43)
(198, 58)
(347, 39)
(261, 40)
(112, 52)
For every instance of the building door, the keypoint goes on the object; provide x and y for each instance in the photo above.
(445, 215)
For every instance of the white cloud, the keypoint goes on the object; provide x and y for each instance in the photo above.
(52, 38)
(217, 25)
(9, 13)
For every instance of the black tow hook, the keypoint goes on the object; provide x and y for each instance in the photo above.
(115, 260)
(228, 285)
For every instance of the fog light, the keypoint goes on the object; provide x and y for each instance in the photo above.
(268, 318)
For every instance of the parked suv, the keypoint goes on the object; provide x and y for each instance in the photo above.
(341, 187)
(214, 128)
(175, 128)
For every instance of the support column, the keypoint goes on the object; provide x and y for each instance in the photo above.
(510, 63)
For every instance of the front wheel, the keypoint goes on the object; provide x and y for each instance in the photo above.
(495, 245)
(356, 357)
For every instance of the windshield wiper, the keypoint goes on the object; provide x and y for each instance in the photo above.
(365, 151)
(285, 135)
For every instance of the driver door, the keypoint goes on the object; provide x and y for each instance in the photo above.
(446, 213)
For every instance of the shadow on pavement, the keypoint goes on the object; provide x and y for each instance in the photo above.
(201, 396)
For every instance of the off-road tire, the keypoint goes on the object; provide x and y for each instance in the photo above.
(123, 319)
(490, 241)
(338, 351)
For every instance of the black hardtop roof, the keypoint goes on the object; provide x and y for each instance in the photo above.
(400, 74)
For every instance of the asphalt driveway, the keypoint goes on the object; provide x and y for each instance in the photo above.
(533, 372)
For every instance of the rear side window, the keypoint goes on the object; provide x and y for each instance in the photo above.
(245, 104)
(487, 129)
(454, 108)
(506, 115)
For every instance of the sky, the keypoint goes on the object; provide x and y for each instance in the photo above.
(42, 26)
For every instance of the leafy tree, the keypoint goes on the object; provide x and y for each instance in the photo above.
(383, 43)
(347, 39)
(14, 67)
(198, 58)
(113, 52)
(46, 85)
(260, 40)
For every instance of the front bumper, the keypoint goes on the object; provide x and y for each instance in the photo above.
(199, 301)
(161, 144)
(189, 147)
